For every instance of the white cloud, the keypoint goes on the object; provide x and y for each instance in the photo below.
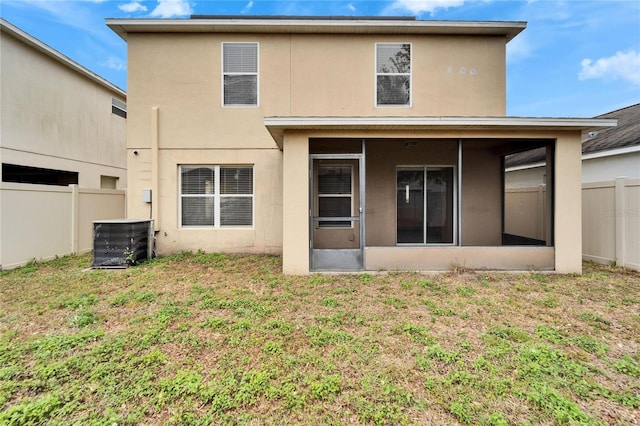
(134, 6)
(171, 8)
(420, 6)
(351, 7)
(623, 65)
(519, 48)
(115, 63)
(248, 7)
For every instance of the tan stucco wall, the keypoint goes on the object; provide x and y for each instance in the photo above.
(335, 76)
(449, 258)
(568, 201)
(266, 234)
(295, 205)
(53, 117)
(383, 158)
(481, 194)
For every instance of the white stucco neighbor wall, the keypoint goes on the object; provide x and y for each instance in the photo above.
(57, 114)
(611, 167)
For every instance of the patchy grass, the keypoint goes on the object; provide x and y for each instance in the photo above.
(200, 338)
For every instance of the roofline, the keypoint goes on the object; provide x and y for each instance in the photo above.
(315, 25)
(28, 39)
(610, 152)
(585, 157)
(278, 125)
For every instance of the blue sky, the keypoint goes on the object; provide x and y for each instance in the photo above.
(575, 59)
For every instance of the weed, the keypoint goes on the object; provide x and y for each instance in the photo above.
(595, 319)
(628, 366)
(81, 301)
(462, 410)
(84, 318)
(396, 302)
(330, 302)
(438, 310)
(465, 291)
(551, 401)
(496, 419)
(32, 412)
(326, 387)
(590, 345)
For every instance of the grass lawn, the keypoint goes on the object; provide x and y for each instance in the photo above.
(227, 339)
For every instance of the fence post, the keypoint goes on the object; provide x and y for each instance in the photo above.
(75, 217)
(620, 220)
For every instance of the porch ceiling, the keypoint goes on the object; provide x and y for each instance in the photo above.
(278, 125)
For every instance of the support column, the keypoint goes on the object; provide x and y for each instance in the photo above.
(568, 203)
(295, 203)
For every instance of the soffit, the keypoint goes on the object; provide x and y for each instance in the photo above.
(507, 29)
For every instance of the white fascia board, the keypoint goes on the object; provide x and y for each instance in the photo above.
(33, 42)
(611, 152)
(498, 122)
(509, 29)
(590, 156)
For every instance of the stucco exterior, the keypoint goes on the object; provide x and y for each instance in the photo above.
(56, 114)
(317, 81)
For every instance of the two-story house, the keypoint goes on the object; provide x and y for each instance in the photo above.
(342, 143)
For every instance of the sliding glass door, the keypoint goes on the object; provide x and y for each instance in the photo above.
(425, 205)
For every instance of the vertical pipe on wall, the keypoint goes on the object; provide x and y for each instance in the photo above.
(459, 198)
(363, 199)
(155, 208)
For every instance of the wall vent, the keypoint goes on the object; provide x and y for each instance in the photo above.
(122, 243)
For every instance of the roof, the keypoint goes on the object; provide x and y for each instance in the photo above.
(623, 138)
(626, 134)
(278, 125)
(314, 25)
(29, 40)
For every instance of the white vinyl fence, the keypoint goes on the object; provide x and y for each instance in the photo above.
(610, 219)
(42, 221)
(611, 222)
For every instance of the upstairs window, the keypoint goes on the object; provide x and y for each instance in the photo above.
(118, 108)
(393, 74)
(240, 74)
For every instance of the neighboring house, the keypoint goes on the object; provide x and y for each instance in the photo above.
(342, 143)
(60, 125)
(606, 153)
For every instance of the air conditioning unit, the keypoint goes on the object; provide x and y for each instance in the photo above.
(121, 243)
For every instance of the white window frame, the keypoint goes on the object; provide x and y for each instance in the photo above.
(350, 196)
(223, 73)
(217, 196)
(454, 213)
(376, 74)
